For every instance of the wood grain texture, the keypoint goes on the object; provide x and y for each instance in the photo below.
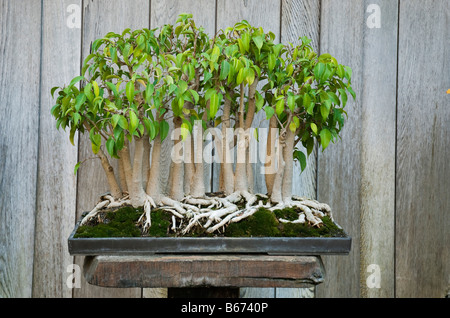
(99, 18)
(339, 166)
(423, 174)
(56, 184)
(204, 271)
(378, 121)
(20, 34)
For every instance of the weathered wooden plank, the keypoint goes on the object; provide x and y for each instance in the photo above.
(339, 174)
(423, 177)
(56, 184)
(203, 271)
(378, 122)
(20, 35)
(99, 18)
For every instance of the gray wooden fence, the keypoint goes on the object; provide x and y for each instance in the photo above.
(387, 180)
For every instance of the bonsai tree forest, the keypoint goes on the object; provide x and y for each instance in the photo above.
(140, 87)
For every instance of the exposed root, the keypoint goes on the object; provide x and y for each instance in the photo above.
(214, 213)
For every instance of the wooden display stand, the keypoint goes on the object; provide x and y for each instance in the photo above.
(204, 275)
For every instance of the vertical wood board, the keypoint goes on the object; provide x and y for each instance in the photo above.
(339, 166)
(56, 184)
(423, 175)
(20, 35)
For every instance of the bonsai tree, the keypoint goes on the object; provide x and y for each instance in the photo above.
(133, 84)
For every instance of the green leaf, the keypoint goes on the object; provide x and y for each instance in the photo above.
(240, 77)
(149, 93)
(269, 112)
(76, 118)
(314, 128)
(340, 71)
(53, 91)
(300, 156)
(259, 101)
(194, 95)
(215, 54)
(249, 76)
(280, 106)
(163, 130)
(348, 73)
(184, 130)
(80, 100)
(76, 80)
(325, 111)
(307, 102)
(334, 98)
(150, 127)
(259, 41)
(130, 91)
(343, 96)
(291, 102)
(113, 88)
(96, 141)
(292, 127)
(214, 104)
(96, 88)
(325, 138)
(272, 59)
(76, 168)
(224, 70)
(72, 134)
(319, 70)
(350, 90)
(134, 122)
(110, 146)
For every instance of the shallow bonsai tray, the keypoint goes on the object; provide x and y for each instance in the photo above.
(209, 245)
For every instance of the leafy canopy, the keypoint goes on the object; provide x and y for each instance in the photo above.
(131, 80)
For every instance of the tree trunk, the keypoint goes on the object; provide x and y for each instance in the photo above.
(153, 188)
(146, 160)
(114, 187)
(276, 195)
(289, 165)
(134, 173)
(227, 165)
(269, 165)
(189, 168)
(177, 186)
(240, 179)
(198, 184)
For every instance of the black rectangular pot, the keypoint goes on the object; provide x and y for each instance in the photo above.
(204, 245)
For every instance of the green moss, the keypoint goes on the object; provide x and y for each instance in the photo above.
(161, 222)
(118, 223)
(290, 214)
(262, 223)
